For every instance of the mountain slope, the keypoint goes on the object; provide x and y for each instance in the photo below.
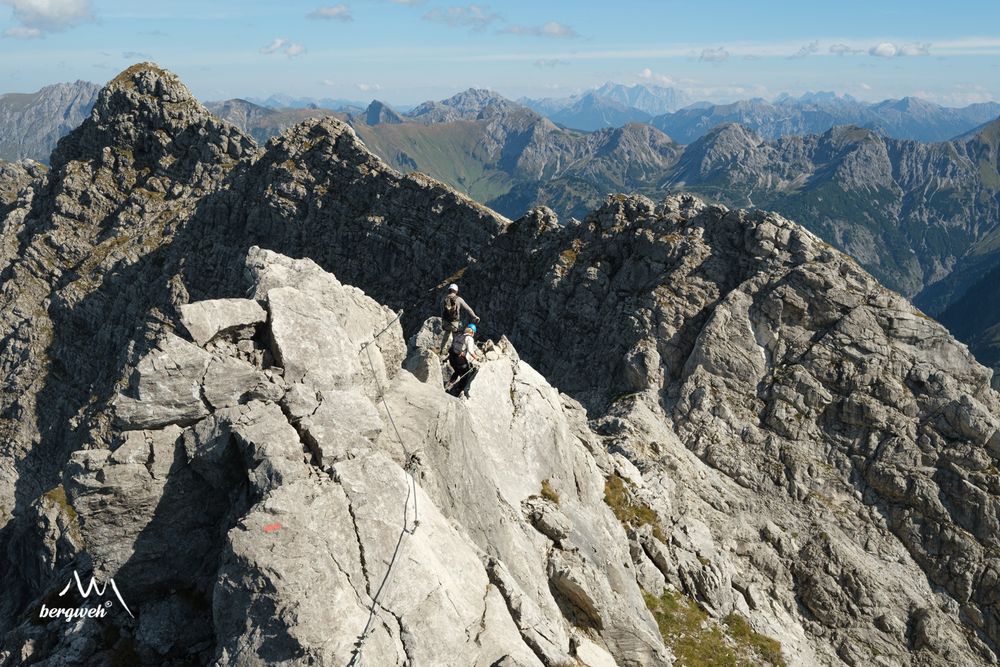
(507, 158)
(966, 300)
(260, 122)
(750, 423)
(32, 123)
(907, 211)
(595, 112)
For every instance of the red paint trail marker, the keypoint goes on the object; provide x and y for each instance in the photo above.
(272, 527)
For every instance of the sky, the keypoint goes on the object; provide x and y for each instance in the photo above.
(407, 51)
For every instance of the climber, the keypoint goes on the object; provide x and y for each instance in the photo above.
(451, 313)
(460, 357)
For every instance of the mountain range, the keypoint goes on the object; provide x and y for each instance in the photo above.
(667, 109)
(922, 217)
(697, 434)
(908, 118)
(609, 106)
(281, 101)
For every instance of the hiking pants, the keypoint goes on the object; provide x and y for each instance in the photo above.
(450, 328)
(459, 367)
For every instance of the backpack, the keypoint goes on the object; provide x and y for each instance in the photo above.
(458, 345)
(449, 312)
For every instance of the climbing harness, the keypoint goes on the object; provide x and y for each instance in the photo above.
(411, 492)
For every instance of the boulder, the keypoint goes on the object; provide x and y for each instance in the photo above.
(205, 320)
(165, 387)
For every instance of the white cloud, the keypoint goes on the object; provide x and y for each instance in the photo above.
(922, 49)
(968, 46)
(40, 16)
(649, 75)
(980, 46)
(282, 45)
(844, 49)
(883, 50)
(714, 55)
(807, 50)
(890, 50)
(20, 32)
(339, 12)
(550, 62)
(864, 86)
(274, 46)
(552, 29)
(477, 17)
(958, 95)
(368, 87)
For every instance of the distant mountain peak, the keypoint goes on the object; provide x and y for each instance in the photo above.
(379, 112)
(466, 105)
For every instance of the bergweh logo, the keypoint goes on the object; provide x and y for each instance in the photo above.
(84, 611)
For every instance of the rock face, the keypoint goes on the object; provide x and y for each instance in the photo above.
(380, 112)
(686, 408)
(290, 564)
(32, 123)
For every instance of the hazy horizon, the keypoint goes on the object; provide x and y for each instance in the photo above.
(405, 106)
(408, 51)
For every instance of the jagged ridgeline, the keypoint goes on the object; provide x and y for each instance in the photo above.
(704, 436)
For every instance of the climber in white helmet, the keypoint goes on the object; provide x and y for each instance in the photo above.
(451, 313)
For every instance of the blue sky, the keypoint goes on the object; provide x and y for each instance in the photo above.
(407, 51)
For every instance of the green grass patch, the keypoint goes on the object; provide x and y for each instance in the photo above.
(768, 649)
(568, 257)
(549, 493)
(620, 497)
(57, 496)
(455, 153)
(698, 641)
(989, 175)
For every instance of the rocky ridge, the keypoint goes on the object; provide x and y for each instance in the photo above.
(748, 420)
(921, 217)
(273, 429)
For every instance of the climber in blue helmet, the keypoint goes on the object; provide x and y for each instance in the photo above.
(462, 353)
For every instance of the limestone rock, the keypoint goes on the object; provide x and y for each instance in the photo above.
(323, 331)
(231, 381)
(205, 320)
(166, 387)
(344, 420)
